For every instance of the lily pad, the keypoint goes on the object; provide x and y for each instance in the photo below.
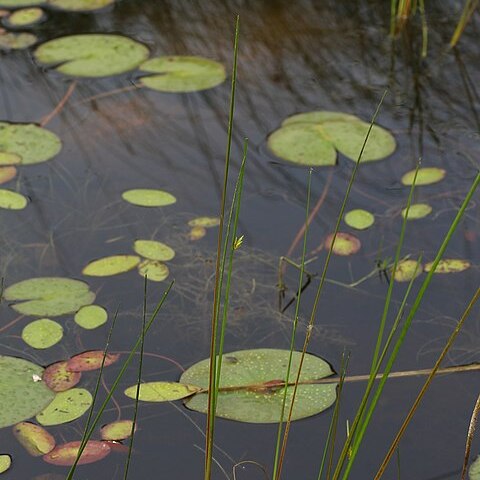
(319, 116)
(182, 74)
(425, 176)
(153, 250)
(80, 5)
(33, 144)
(154, 270)
(206, 222)
(345, 244)
(407, 270)
(7, 174)
(117, 431)
(417, 211)
(359, 219)
(19, 3)
(21, 395)
(5, 462)
(24, 17)
(92, 55)
(113, 265)
(12, 200)
(43, 333)
(196, 233)
(66, 407)
(17, 41)
(474, 470)
(161, 391)
(66, 454)
(34, 438)
(256, 376)
(91, 360)
(49, 296)
(449, 265)
(59, 378)
(91, 316)
(145, 197)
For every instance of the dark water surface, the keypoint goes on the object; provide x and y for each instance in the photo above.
(294, 57)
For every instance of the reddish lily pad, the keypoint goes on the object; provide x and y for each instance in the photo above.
(7, 173)
(34, 438)
(345, 244)
(59, 379)
(66, 454)
(91, 360)
(117, 431)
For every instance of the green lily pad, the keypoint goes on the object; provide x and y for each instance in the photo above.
(153, 250)
(66, 407)
(474, 470)
(154, 270)
(80, 5)
(5, 462)
(302, 144)
(65, 455)
(206, 222)
(24, 17)
(407, 270)
(113, 265)
(34, 438)
(17, 41)
(425, 176)
(417, 210)
(31, 143)
(49, 296)
(22, 395)
(183, 74)
(7, 158)
(91, 316)
(319, 116)
(255, 376)
(359, 219)
(161, 391)
(196, 233)
(92, 55)
(117, 431)
(43, 333)
(59, 378)
(91, 360)
(19, 3)
(449, 265)
(7, 174)
(144, 197)
(12, 200)
(345, 244)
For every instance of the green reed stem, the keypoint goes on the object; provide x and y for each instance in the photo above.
(467, 12)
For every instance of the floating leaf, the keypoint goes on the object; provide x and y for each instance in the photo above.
(182, 73)
(474, 470)
(17, 41)
(92, 55)
(33, 144)
(319, 116)
(65, 455)
(153, 250)
(196, 233)
(345, 244)
(59, 378)
(161, 391)
(49, 296)
(80, 5)
(154, 271)
(417, 210)
(24, 17)
(407, 270)
(21, 396)
(259, 394)
(91, 360)
(34, 438)
(425, 176)
(12, 200)
(91, 316)
(7, 158)
(66, 407)
(302, 144)
(19, 3)
(7, 173)
(5, 462)
(359, 219)
(113, 265)
(145, 197)
(206, 222)
(449, 265)
(43, 333)
(117, 431)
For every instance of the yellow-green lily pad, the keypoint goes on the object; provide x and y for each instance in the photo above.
(196, 233)
(417, 211)
(206, 222)
(359, 219)
(34, 438)
(43, 333)
(19, 3)
(17, 41)
(117, 431)
(12, 200)
(91, 316)
(7, 158)
(407, 270)
(319, 116)
(161, 391)
(425, 176)
(147, 197)
(182, 74)
(449, 265)
(24, 17)
(345, 244)
(113, 265)
(5, 462)
(80, 5)
(154, 270)
(474, 470)
(153, 250)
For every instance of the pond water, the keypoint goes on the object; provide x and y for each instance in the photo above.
(294, 57)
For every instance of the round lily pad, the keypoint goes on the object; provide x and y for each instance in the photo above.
(24, 17)
(449, 265)
(65, 455)
(12, 200)
(319, 116)
(7, 158)
(91, 316)
(161, 391)
(153, 250)
(302, 144)
(34, 438)
(92, 55)
(17, 41)
(425, 176)
(80, 5)
(154, 270)
(7, 174)
(59, 378)
(33, 144)
(474, 470)
(417, 210)
(182, 73)
(145, 197)
(21, 394)
(91, 360)
(43, 333)
(49, 296)
(19, 3)
(206, 222)
(407, 270)
(359, 219)
(254, 377)
(66, 407)
(117, 431)
(5, 462)
(345, 244)
(196, 233)
(113, 265)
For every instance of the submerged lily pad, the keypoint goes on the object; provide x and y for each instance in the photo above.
(91, 360)
(449, 265)
(17, 41)
(49, 296)
(12, 200)
(59, 378)
(417, 210)
(145, 197)
(113, 265)
(257, 374)
(65, 455)
(33, 144)
(24, 17)
(34, 438)
(407, 270)
(91, 316)
(153, 250)
(43, 333)
(182, 73)
(92, 55)
(161, 391)
(425, 176)
(7, 174)
(117, 431)
(66, 407)
(196, 233)
(21, 395)
(154, 270)
(345, 244)
(80, 5)
(5, 462)
(359, 219)
(206, 222)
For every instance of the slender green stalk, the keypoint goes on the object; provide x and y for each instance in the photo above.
(470, 434)
(424, 28)
(467, 12)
